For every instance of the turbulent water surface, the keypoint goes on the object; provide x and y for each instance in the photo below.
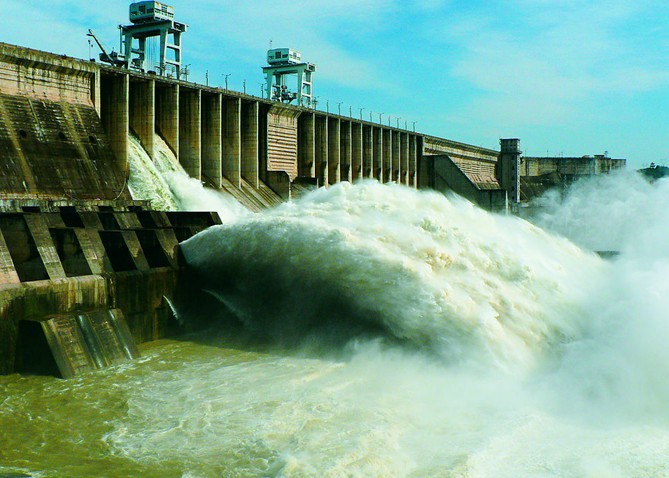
(388, 332)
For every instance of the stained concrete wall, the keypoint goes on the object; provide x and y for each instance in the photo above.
(306, 146)
(52, 142)
(167, 114)
(232, 140)
(142, 113)
(444, 176)
(190, 131)
(212, 139)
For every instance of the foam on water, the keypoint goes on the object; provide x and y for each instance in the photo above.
(433, 271)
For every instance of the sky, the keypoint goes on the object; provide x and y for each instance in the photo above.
(567, 77)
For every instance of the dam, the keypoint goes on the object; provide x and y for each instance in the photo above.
(77, 250)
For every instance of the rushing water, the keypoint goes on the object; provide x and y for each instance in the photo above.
(388, 332)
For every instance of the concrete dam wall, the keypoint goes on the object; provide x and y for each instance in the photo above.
(86, 271)
(52, 142)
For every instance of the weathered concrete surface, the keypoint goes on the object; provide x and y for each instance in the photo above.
(52, 143)
(123, 260)
(282, 140)
(445, 175)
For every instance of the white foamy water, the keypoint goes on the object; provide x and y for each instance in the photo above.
(438, 273)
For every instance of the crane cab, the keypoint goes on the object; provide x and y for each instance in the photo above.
(151, 11)
(283, 56)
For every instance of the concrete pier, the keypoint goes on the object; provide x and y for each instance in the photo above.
(334, 150)
(231, 164)
(212, 139)
(190, 131)
(249, 146)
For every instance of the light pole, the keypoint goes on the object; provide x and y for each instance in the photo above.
(414, 125)
(380, 118)
(262, 90)
(398, 121)
(389, 119)
(339, 107)
(361, 110)
(244, 86)
(225, 75)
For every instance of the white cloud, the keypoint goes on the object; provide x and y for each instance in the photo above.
(545, 67)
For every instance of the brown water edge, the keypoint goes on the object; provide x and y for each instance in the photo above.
(52, 427)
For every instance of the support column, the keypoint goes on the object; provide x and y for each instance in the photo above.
(387, 156)
(367, 151)
(190, 132)
(356, 151)
(39, 230)
(396, 157)
(422, 171)
(413, 161)
(404, 159)
(167, 115)
(306, 145)
(212, 142)
(378, 153)
(143, 113)
(232, 140)
(334, 150)
(250, 143)
(345, 148)
(322, 159)
(114, 109)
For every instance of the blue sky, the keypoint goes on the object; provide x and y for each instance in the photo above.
(566, 77)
